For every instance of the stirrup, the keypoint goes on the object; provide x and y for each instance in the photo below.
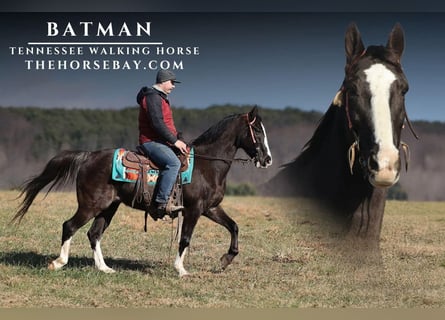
(173, 210)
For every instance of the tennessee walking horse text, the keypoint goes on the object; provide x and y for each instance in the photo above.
(99, 196)
(354, 154)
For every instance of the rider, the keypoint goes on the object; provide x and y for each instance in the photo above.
(158, 136)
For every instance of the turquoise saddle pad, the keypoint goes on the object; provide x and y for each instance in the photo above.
(124, 174)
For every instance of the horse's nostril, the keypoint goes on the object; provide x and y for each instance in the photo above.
(268, 160)
(373, 164)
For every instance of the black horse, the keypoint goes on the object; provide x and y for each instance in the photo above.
(99, 196)
(354, 153)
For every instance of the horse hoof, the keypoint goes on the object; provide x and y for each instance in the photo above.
(55, 265)
(226, 260)
(108, 270)
(183, 274)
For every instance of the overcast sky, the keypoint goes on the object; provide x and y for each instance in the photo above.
(275, 60)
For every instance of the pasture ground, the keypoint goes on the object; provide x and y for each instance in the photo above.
(288, 259)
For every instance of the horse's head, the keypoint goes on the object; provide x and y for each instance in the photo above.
(373, 97)
(254, 139)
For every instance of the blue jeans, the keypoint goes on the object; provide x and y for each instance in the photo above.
(169, 165)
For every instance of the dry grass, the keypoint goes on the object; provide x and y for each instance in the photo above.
(287, 259)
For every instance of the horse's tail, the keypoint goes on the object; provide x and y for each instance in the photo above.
(60, 170)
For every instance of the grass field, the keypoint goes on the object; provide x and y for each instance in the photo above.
(287, 259)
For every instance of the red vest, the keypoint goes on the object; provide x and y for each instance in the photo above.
(146, 131)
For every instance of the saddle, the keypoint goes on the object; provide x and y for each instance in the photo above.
(137, 160)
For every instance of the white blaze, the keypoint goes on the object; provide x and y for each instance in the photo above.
(380, 80)
(266, 143)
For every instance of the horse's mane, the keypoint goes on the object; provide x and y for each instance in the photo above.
(214, 132)
(322, 131)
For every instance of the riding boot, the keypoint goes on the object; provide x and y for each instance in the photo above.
(162, 209)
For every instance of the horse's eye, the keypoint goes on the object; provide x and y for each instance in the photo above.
(403, 87)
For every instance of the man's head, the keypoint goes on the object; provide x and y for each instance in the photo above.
(166, 80)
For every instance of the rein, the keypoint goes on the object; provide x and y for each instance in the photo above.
(206, 157)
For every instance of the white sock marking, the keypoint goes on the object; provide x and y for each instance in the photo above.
(63, 257)
(179, 263)
(99, 260)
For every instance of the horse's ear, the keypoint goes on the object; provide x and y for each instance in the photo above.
(253, 113)
(396, 40)
(353, 43)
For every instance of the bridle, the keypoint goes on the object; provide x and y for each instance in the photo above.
(343, 92)
(355, 147)
(250, 125)
(242, 160)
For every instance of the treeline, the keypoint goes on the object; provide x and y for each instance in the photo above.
(91, 129)
(30, 136)
(57, 129)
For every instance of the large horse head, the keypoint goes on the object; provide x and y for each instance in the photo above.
(373, 97)
(253, 140)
